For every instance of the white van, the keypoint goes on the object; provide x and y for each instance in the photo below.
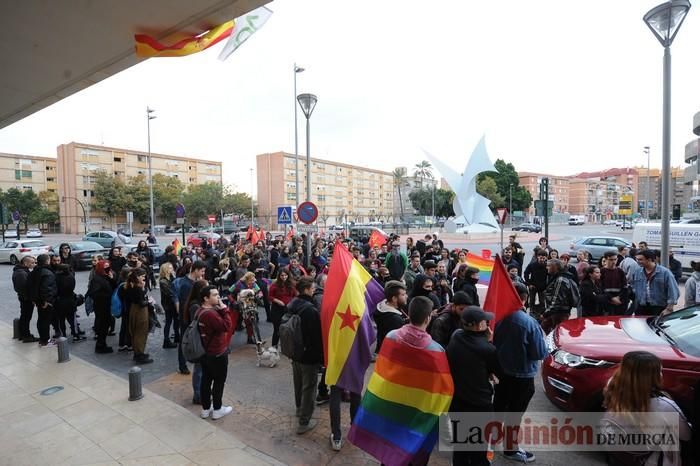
(577, 220)
(684, 240)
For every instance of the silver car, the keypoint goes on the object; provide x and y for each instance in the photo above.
(106, 238)
(597, 246)
(13, 251)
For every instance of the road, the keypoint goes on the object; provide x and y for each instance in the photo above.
(261, 397)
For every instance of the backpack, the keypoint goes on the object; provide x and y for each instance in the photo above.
(575, 294)
(291, 337)
(117, 305)
(191, 343)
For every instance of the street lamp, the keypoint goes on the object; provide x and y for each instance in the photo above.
(646, 151)
(82, 206)
(307, 102)
(149, 117)
(252, 215)
(510, 205)
(664, 21)
(297, 69)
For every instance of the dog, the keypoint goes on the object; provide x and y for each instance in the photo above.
(269, 358)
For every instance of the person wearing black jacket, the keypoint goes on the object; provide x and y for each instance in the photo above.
(305, 370)
(66, 255)
(65, 302)
(444, 325)
(423, 286)
(116, 260)
(473, 364)
(466, 283)
(136, 301)
(142, 249)
(41, 285)
(100, 290)
(20, 275)
(593, 299)
(536, 280)
(389, 315)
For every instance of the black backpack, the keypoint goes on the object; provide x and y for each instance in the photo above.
(291, 336)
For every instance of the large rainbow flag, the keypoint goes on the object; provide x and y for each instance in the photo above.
(349, 299)
(485, 267)
(397, 422)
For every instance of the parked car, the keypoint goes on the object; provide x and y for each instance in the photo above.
(157, 251)
(597, 245)
(583, 353)
(609, 222)
(360, 231)
(125, 232)
(196, 239)
(34, 233)
(106, 238)
(83, 252)
(14, 251)
(529, 227)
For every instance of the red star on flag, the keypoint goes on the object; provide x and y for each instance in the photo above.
(348, 319)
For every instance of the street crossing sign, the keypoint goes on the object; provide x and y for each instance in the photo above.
(284, 215)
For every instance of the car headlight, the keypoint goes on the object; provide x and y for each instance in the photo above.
(574, 360)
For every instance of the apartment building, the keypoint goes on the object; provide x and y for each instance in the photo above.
(341, 191)
(27, 172)
(77, 165)
(558, 190)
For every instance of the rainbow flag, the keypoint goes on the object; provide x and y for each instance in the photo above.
(177, 246)
(147, 46)
(485, 267)
(397, 421)
(349, 298)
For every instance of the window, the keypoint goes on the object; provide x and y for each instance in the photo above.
(117, 159)
(50, 180)
(291, 196)
(141, 158)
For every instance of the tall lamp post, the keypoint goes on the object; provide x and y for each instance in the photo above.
(646, 151)
(307, 102)
(252, 214)
(149, 117)
(664, 21)
(510, 205)
(297, 69)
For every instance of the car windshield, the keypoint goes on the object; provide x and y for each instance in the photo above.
(33, 244)
(85, 245)
(683, 329)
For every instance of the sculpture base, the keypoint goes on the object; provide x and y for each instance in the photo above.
(460, 225)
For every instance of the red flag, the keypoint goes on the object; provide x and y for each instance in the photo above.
(501, 298)
(376, 239)
(290, 233)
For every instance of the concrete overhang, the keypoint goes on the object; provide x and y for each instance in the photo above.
(696, 124)
(51, 49)
(692, 149)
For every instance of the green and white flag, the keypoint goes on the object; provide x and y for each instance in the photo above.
(244, 27)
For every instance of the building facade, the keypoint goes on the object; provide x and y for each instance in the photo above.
(77, 165)
(341, 191)
(27, 172)
(558, 190)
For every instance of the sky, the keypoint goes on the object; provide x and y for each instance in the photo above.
(556, 87)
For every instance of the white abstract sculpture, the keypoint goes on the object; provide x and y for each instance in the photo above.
(472, 213)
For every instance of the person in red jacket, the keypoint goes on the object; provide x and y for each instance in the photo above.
(216, 328)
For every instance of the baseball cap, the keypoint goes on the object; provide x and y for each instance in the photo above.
(474, 314)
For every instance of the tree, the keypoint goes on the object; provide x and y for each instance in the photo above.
(423, 170)
(24, 202)
(236, 203)
(505, 176)
(422, 200)
(137, 199)
(202, 200)
(399, 181)
(487, 187)
(110, 194)
(167, 192)
(48, 213)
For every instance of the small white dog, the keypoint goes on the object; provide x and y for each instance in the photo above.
(270, 357)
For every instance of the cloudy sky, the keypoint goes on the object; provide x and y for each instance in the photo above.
(557, 87)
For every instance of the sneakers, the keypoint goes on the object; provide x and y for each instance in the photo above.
(322, 399)
(520, 455)
(336, 445)
(49, 344)
(219, 413)
(123, 349)
(304, 428)
(205, 413)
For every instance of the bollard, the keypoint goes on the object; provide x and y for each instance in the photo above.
(15, 330)
(63, 351)
(135, 389)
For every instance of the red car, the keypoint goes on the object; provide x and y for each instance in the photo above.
(197, 239)
(584, 353)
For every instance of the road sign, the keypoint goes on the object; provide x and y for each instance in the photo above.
(180, 221)
(179, 210)
(502, 215)
(625, 205)
(306, 228)
(539, 208)
(284, 215)
(129, 216)
(211, 218)
(307, 212)
(15, 215)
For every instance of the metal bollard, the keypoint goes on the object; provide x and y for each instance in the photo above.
(135, 388)
(63, 351)
(15, 330)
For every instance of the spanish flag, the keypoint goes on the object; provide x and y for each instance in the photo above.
(147, 46)
(349, 298)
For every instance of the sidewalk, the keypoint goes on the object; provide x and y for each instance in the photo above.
(91, 421)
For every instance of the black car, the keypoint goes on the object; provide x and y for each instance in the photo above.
(83, 252)
(157, 251)
(529, 227)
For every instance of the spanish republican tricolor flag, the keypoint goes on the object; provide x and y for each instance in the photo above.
(397, 421)
(349, 298)
(147, 46)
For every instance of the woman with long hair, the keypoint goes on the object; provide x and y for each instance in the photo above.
(100, 291)
(191, 307)
(284, 257)
(185, 268)
(592, 296)
(168, 300)
(636, 387)
(282, 291)
(142, 249)
(461, 260)
(136, 301)
(247, 282)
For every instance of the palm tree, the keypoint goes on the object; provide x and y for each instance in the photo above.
(422, 171)
(399, 180)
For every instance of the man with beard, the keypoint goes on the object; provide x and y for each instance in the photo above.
(449, 320)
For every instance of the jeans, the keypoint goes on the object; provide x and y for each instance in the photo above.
(277, 312)
(171, 319)
(512, 395)
(26, 309)
(197, 381)
(305, 380)
(536, 310)
(322, 387)
(334, 408)
(181, 362)
(124, 334)
(43, 323)
(214, 371)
